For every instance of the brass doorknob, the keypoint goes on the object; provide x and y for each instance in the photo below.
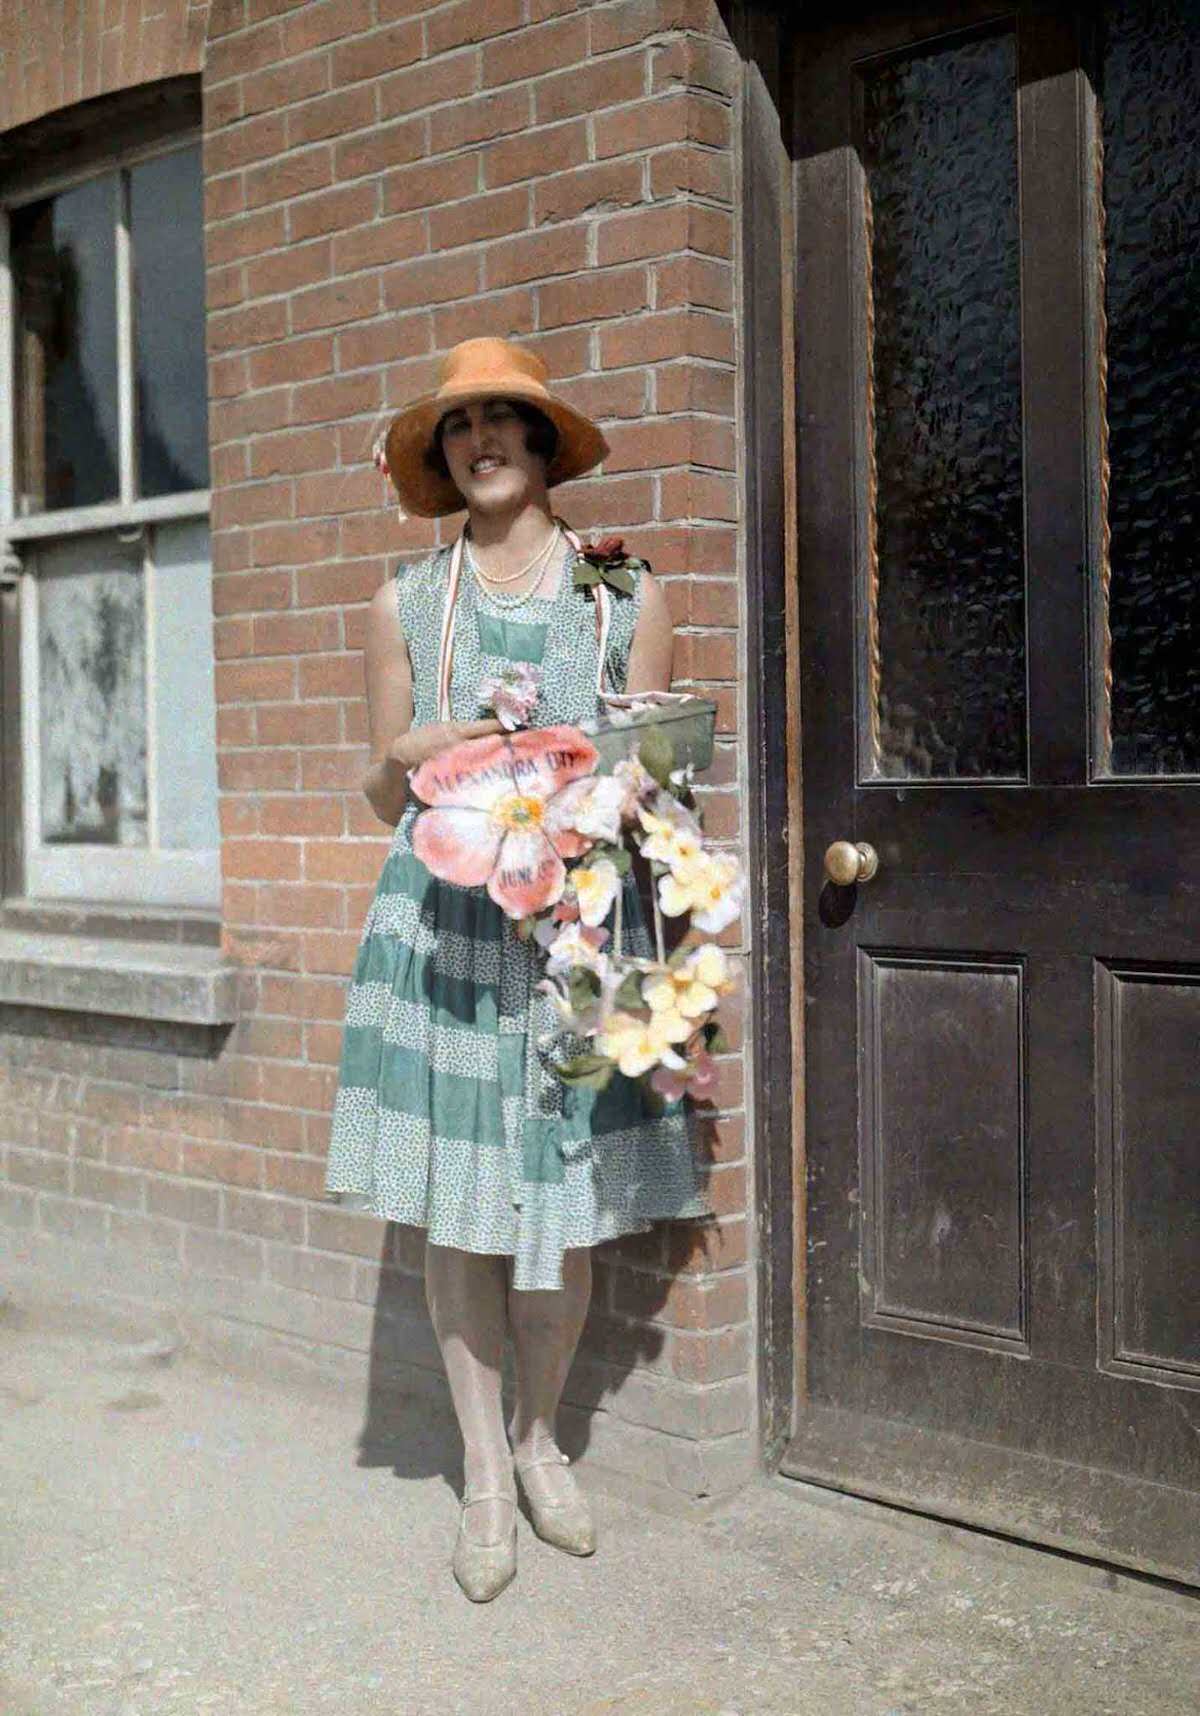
(848, 862)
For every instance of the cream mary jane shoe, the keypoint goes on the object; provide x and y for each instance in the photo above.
(567, 1524)
(484, 1569)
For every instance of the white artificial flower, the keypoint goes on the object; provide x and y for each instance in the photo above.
(577, 944)
(710, 887)
(693, 987)
(639, 1044)
(596, 887)
(638, 785)
(672, 834)
(591, 807)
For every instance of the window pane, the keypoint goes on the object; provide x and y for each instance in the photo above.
(168, 271)
(185, 716)
(64, 268)
(92, 693)
(1151, 133)
(946, 653)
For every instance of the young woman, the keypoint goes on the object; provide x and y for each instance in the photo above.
(448, 1115)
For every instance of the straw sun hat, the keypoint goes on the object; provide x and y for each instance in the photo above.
(480, 369)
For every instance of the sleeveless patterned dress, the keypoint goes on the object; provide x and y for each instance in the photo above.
(448, 1116)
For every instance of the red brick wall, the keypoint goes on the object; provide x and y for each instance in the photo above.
(384, 178)
(57, 52)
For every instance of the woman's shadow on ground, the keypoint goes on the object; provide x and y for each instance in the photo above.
(409, 1422)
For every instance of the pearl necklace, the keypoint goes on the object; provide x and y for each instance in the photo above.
(489, 585)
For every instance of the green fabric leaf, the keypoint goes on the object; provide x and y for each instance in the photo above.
(585, 576)
(590, 1072)
(618, 578)
(583, 986)
(618, 856)
(629, 995)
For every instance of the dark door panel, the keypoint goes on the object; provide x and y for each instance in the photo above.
(996, 220)
(943, 1130)
(1149, 1167)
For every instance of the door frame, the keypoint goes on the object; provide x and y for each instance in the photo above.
(775, 1027)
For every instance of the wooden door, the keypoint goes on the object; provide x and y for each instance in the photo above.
(998, 433)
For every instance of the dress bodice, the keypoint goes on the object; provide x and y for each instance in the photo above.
(557, 633)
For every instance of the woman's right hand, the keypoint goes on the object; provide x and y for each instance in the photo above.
(418, 744)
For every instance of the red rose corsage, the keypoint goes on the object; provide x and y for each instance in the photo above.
(606, 561)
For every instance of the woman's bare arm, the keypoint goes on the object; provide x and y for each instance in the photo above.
(653, 641)
(396, 745)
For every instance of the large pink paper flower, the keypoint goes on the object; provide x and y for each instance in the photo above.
(487, 821)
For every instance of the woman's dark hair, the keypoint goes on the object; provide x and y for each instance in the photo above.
(541, 437)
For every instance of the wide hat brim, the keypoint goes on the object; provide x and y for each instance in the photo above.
(425, 494)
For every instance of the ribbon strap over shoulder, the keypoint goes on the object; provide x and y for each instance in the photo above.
(446, 644)
(603, 613)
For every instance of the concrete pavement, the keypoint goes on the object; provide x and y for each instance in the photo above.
(181, 1538)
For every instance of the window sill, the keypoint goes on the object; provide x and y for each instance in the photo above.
(105, 920)
(192, 985)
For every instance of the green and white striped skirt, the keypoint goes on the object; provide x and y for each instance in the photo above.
(448, 1115)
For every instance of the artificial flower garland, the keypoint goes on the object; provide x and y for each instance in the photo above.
(524, 814)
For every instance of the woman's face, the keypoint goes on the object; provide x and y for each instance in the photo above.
(492, 468)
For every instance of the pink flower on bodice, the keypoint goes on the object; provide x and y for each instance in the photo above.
(513, 694)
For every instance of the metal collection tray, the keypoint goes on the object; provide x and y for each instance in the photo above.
(688, 722)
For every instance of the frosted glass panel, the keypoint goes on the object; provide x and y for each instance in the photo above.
(1151, 133)
(184, 700)
(946, 651)
(92, 694)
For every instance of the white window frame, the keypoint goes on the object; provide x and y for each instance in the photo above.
(151, 875)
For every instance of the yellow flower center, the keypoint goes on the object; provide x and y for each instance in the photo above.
(518, 813)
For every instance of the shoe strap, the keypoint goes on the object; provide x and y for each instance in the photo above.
(489, 1495)
(556, 1459)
